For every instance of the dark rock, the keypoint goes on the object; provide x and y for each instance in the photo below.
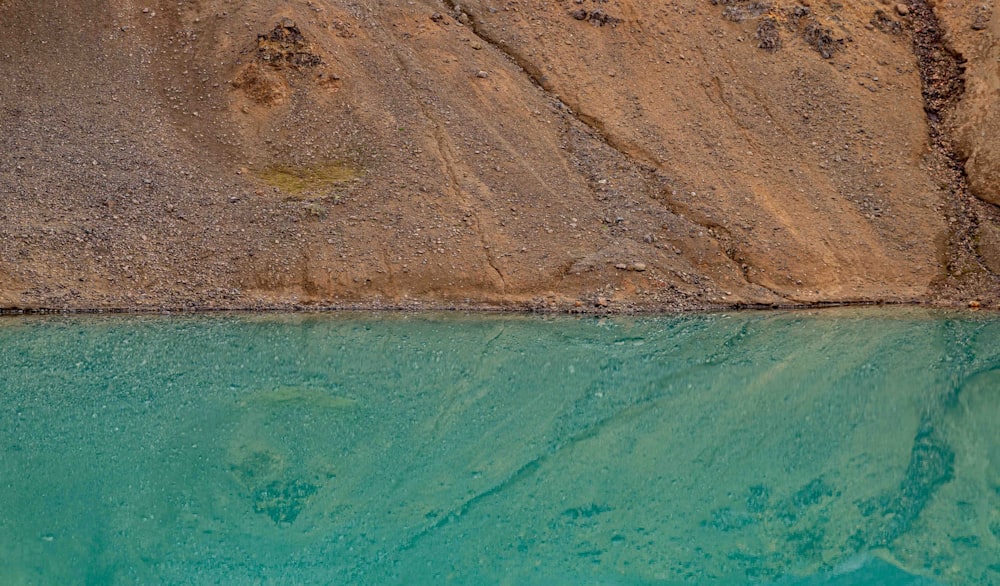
(601, 18)
(883, 22)
(285, 45)
(739, 11)
(821, 38)
(981, 18)
(768, 37)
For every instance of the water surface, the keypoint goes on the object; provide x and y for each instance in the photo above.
(835, 447)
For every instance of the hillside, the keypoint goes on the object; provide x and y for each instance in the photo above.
(556, 154)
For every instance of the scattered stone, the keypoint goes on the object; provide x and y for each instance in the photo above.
(902, 9)
(639, 267)
(601, 302)
(799, 19)
(821, 39)
(741, 11)
(798, 12)
(621, 266)
(601, 18)
(285, 46)
(883, 22)
(974, 304)
(437, 17)
(981, 18)
(596, 17)
(482, 74)
(768, 37)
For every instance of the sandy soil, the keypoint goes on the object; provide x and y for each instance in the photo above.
(589, 155)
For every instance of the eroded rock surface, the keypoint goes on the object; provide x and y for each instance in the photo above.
(515, 154)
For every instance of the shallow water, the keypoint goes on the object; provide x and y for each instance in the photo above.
(836, 447)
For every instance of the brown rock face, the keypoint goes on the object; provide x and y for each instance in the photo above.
(972, 32)
(989, 246)
(217, 154)
(977, 120)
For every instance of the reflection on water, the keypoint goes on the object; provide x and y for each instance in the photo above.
(834, 447)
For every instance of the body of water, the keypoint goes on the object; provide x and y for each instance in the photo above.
(831, 447)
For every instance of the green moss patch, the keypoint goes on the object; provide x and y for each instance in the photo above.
(308, 182)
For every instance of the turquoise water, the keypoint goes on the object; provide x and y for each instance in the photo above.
(835, 447)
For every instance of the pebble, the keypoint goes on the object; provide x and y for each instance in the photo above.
(639, 266)
(482, 74)
(902, 9)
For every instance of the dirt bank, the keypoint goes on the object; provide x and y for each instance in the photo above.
(578, 154)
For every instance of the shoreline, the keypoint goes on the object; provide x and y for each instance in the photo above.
(485, 308)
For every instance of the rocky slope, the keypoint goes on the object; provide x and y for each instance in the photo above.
(580, 154)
